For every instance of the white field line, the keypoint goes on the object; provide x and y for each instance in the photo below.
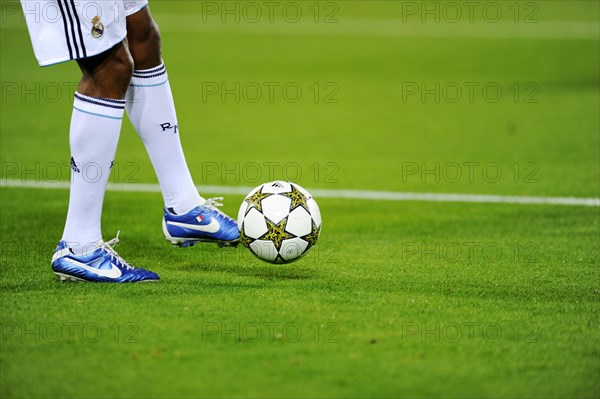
(376, 27)
(347, 194)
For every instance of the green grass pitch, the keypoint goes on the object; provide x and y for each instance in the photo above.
(399, 298)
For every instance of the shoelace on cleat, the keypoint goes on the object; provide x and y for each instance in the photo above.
(214, 203)
(108, 246)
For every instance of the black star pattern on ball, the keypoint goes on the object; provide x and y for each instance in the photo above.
(255, 201)
(313, 236)
(276, 233)
(298, 199)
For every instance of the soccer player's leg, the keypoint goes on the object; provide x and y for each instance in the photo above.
(92, 33)
(188, 218)
(98, 110)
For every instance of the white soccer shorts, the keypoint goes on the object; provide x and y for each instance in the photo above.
(63, 30)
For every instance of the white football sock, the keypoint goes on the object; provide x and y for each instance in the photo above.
(94, 135)
(151, 110)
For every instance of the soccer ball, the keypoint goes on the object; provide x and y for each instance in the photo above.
(279, 222)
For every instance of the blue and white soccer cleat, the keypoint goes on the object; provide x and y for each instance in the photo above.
(204, 223)
(102, 264)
